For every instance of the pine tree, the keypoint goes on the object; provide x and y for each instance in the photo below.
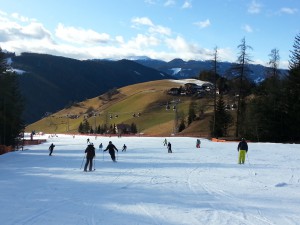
(98, 130)
(80, 128)
(293, 91)
(11, 105)
(133, 128)
(242, 70)
(104, 129)
(192, 114)
(223, 119)
(181, 125)
(85, 127)
(215, 91)
(273, 70)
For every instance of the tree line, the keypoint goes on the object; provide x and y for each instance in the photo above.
(266, 111)
(85, 128)
(11, 104)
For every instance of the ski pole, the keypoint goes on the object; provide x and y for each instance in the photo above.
(103, 155)
(251, 168)
(82, 161)
(94, 164)
(248, 159)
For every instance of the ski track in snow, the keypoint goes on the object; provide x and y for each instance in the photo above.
(148, 186)
(195, 186)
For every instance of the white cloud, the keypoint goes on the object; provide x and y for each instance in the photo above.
(203, 24)
(180, 48)
(284, 64)
(169, 3)
(11, 30)
(187, 4)
(247, 28)
(120, 39)
(226, 54)
(180, 45)
(158, 29)
(80, 36)
(254, 7)
(152, 2)
(21, 18)
(142, 41)
(288, 10)
(142, 21)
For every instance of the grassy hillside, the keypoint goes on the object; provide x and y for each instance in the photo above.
(148, 98)
(63, 80)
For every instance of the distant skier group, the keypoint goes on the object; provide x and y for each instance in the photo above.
(111, 148)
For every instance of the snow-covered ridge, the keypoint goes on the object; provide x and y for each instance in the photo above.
(194, 81)
(175, 71)
(17, 71)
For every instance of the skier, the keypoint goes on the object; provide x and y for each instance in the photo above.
(88, 141)
(111, 147)
(165, 142)
(169, 148)
(90, 154)
(100, 147)
(124, 148)
(198, 142)
(243, 149)
(51, 147)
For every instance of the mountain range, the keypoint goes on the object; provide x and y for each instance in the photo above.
(181, 69)
(50, 83)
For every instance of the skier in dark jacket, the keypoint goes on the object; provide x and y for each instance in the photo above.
(198, 143)
(90, 154)
(111, 147)
(169, 148)
(243, 149)
(51, 147)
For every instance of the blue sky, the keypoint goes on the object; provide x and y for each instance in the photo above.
(159, 29)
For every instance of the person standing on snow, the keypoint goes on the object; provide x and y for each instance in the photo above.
(111, 147)
(198, 142)
(51, 147)
(100, 147)
(165, 142)
(124, 148)
(243, 149)
(90, 154)
(169, 148)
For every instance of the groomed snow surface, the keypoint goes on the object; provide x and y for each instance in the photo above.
(148, 186)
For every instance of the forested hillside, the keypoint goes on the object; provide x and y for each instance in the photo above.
(49, 83)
